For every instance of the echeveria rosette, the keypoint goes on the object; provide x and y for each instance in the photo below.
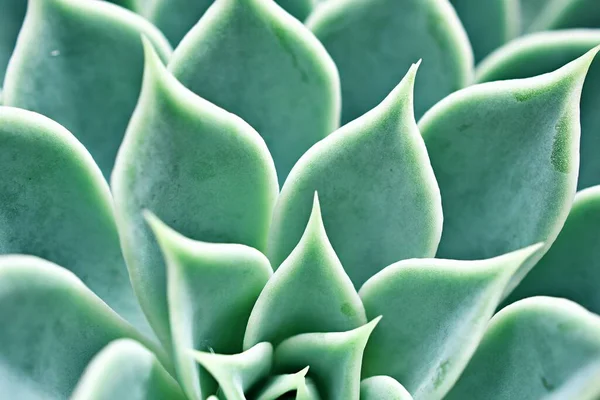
(337, 296)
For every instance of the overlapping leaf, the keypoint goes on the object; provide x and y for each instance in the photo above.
(11, 19)
(382, 388)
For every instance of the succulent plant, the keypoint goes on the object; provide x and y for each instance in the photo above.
(248, 247)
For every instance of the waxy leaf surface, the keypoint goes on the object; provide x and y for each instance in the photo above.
(80, 63)
(565, 14)
(380, 200)
(279, 385)
(383, 388)
(253, 59)
(506, 156)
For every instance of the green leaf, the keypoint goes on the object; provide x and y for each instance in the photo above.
(211, 289)
(334, 359)
(374, 42)
(505, 155)
(571, 268)
(11, 19)
(279, 385)
(538, 348)
(80, 63)
(383, 388)
(309, 292)
(565, 14)
(201, 170)
(489, 24)
(530, 9)
(434, 314)
(55, 204)
(381, 202)
(239, 372)
(52, 327)
(126, 370)
(540, 53)
(256, 61)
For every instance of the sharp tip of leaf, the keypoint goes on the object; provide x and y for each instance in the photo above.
(303, 372)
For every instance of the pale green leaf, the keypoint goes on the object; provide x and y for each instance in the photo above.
(565, 14)
(383, 388)
(52, 327)
(530, 10)
(380, 200)
(80, 63)
(11, 19)
(374, 41)
(309, 292)
(201, 170)
(506, 156)
(434, 314)
(279, 385)
(255, 60)
(571, 268)
(538, 348)
(211, 289)
(126, 370)
(540, 53)
(55, 204)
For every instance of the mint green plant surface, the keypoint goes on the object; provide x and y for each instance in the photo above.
(299, 199)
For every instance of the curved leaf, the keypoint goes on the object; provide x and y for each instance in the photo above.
(539, 53)
(126, 370)
(55, 204)
(374, 42)
(309, 292)
(434, 314)
(380, 199)
(505, 155)
(52, 327)
(537, 348)
(530, 10)
(565, 14)
(211, 289)
(11, 19)
(334, 359)
(571, 268)
(256, 61)
(383, 388)
(279, 385)
(489, 24)
(239, 372)
(203, 171)
(80, 63)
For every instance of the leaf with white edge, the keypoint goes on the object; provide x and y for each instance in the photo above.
(434, 315)
(126, 370)
(309, 292)
(566, 14)
(334, 359)
(80, 63)
(374, 42)
(383, 388)
(381, 202)
(540, 53)
(11, 19)
(537, 348)
(257, 61)
(571, 268)
(489, 24)
(279, 385)
(201, 170)
(53, 326)
(55, 204)
(237, 373)
(211, 289)
(506, 156)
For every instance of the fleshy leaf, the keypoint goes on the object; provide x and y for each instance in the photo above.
(279, 385)
(505, 155)
(374, 42)
(540, 53)
(309, 292)
(565, 14)
(11, 19)
(489, 24)
(537, 348)
(201, 170)
(530, 10)
(255, 60)
(571, 268)
(238, 372)
(434, 314)
(211, 289)
(52, 327)
(380, 199)
(80, 63)
(334, 359)
(55, 204)
(126, 370)
(383, 388)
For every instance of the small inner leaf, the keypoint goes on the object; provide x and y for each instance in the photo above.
(309, 292)
(383, 388)
(281, 384)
